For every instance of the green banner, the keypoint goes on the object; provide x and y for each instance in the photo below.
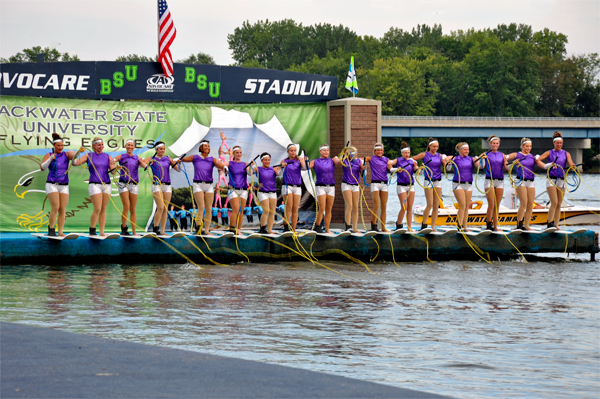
(27, 124)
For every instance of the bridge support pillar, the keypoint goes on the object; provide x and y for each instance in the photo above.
(573, 146)
(358, 121)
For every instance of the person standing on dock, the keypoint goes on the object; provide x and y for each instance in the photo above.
(161, 184)
(238, 191)
(183, 214)
(128, 185)
(555, 184)
(462, 183)
(405, 184)
(57, 183)
(204, 191)
(292, 185)
(99, 164)
(267, 192)
(494, 166)
(352, 168)
(379, 186)
(525, 164)
(432, 161)
(325, 186)
(172, 218)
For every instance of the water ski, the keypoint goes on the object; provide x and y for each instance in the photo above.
(283, 234)
(446, 231)
(344, 233)
(549, 230)
(514, 232)
(108, 236)
(369, 233)
(70, 236)
(426, 230)
(306, 233)
(330, 235)
(577, 231)
(141, 236)
(399, 231)
(177, 234)
(244, 236)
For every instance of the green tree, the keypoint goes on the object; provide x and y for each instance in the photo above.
(200, 58)
(136, 58)
(334, 64)
(30, 55)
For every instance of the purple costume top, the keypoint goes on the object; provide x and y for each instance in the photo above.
(433, 162)
(463, 171)
(203, 169)
(325, 170)
(161, 170)
(408, 165)
(378, 169)
(57, 169)
(132, 164)
(237, 175)
(266, 177)
(351, 171)
(496, 164)
(528, 162)
(98, 165)
(292, 174)
(559, 158)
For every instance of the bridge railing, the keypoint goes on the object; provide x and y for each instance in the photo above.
(483, 121)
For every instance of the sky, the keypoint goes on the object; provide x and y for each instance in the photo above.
(102, 30)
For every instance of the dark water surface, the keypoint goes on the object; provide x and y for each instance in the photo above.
(465, 329)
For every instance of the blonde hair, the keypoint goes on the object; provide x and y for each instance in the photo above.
(525, 139)
(460, 145)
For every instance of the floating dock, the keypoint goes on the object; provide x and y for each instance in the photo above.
(23, 248)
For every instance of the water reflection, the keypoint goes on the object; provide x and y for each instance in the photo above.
(465, 329)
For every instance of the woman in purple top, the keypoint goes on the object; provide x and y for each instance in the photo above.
(99, 164)
(494, 165)
(238, 187)
(128, 185)
(462, 182)
(433, 179)
(161, 164)
(267, 192)
(204, 191)
(57, 183)
(405, 184)
(325, 186)
(292, 185)
(379, 187)
(559, 161)
(352, 167)
(526, 189)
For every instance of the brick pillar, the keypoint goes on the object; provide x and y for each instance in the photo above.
(357, 120)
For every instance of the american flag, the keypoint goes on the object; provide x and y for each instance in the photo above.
(166, 35)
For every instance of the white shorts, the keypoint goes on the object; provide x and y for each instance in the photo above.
(351, 187)
(161, 188)
(264, 196)
(497, 184)
(321, 190)
(436, 184)
(527, 184)
(560, 183)
(379, 187)
(56, 188)
(241, 193)
(95, 188)
(403, 189)
(130, 187)
(203, 187)
(462, 186)
(287, 190)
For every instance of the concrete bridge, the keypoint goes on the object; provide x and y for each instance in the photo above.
(578, 132)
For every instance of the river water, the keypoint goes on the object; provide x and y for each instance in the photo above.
(510, 329)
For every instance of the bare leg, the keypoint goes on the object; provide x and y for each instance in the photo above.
(125, 200)
(208, 199)
(165, 212)
(348, 201)
(133, 199)
(102, 216)
(498, 197)
(97, 204)
(376, 201)
(383, 195)
(54, 200)
(429, 195)
(462, 205)
(322, 201)
(436, 206)
(560, 195)
(160, 207)
(355, 200)
(296, 203)
(328, 208)
(62, 212)
(529, 211)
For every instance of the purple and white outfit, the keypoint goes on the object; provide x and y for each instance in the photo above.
(325, 171)
(463, 173)
(292, 177)
(525, 173)
(494, 170)
(98, 165)
(58, 181)
(405, 181)
(557, 175)
(434, 174)
(237, 180)
(379, 173)
(351, 174)
(268, 185)
(161, 176)
(203, 174)
(129, 177)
